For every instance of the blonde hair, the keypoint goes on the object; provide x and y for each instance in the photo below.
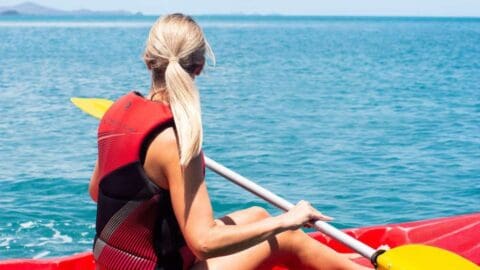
(175, 50)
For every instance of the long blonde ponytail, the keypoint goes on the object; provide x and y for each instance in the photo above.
(175, 50)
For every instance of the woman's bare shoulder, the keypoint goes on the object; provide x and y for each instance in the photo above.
(165, 146)
(163, 154)
(162, 157)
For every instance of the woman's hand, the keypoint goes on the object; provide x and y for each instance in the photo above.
(302, 214)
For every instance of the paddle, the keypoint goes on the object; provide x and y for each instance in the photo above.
(407, 257)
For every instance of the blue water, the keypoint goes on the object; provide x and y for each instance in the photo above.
(373, 120)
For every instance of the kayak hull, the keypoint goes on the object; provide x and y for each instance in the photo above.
(459, 234)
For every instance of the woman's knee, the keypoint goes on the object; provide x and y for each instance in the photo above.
(292, 241)
(244, 216)
(258, 212)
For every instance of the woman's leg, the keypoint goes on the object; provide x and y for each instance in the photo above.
(244, 216)
(293, 249)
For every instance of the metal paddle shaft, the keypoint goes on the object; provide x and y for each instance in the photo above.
(285, 205)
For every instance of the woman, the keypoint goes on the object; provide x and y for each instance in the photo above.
(154, 211)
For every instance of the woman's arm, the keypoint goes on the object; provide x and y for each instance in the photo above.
(94, 182)
(194, 213)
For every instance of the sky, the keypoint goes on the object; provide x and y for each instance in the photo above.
(468, 8)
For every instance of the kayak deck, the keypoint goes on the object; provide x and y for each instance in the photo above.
(459, 234)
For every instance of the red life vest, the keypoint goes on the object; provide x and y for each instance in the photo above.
(135, 227)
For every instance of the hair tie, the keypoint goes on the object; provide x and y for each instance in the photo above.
(173, 59)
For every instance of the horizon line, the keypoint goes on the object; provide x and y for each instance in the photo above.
(241, 14)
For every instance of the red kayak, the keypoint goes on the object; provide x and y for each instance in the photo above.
(459, 234)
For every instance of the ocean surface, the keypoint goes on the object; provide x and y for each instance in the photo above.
(373, 120)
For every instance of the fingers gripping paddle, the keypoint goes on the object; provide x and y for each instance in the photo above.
(407, 257)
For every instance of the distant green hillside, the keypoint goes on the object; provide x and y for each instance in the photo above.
(30, 8)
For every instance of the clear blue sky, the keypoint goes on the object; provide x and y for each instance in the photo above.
(305, 7)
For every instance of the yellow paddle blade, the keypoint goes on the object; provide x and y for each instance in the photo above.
(95, 107)
(422, 257)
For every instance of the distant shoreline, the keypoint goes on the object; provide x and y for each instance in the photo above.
(34, 9)
(12, 13)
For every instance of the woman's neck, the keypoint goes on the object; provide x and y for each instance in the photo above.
(158, 95)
